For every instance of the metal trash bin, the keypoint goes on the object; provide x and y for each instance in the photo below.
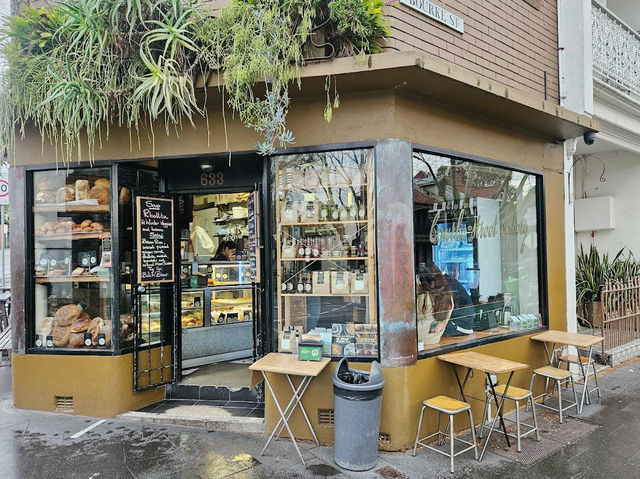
(357, 399)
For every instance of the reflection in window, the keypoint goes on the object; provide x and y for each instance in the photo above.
(476, 250)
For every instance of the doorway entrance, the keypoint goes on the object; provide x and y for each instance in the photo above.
(219, 307)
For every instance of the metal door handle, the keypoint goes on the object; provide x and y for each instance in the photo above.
(141, 288)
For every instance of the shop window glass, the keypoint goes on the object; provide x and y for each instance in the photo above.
(324, 235)
(476, 251)
(72, 259)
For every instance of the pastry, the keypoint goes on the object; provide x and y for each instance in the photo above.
(101, 194)
(76, 340)
(80, 325)
(46, 327)
(66, 193)
(96, 226)
(78, 271)
(126, 319)
(60, 336)
(85, 223)
(102, 182)
(82, 189)
(67, 314)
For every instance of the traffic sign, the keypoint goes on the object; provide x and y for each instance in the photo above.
(4, 185)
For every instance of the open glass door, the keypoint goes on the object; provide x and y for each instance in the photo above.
(153, 292)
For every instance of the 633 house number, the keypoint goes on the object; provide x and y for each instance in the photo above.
(213, 178)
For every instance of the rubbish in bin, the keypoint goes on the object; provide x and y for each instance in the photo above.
(357, 399)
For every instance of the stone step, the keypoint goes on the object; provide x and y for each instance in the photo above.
(244, 417)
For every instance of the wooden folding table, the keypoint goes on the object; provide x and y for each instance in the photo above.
(489, 365)
(564, 338)
(288, 365)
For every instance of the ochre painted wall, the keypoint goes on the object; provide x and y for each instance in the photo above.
(101, 386)
(365, 116)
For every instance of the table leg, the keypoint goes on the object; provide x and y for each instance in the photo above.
(298, 396)
(282, 418)
(461, 388)
(293, 403)
(499, 406)
(585, 375)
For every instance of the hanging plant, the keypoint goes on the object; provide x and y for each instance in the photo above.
(82, 66)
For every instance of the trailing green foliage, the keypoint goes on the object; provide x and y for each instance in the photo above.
(594, 270)
(82, 66)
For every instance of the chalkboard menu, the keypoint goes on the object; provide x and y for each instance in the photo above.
(154, 218)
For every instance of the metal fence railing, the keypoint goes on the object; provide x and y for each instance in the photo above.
(621, 312)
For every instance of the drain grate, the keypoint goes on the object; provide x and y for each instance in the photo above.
(64, 403)
(326, 417)
(384, 437)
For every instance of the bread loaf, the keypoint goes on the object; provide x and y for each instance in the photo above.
(67, 314)
(80, 325)
(76, 340)
(94, 328)
(66, 193)
(102, 182)
(61, 336)
(101, 194)
(82, 189)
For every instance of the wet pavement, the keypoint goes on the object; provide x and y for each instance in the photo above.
(46, 445)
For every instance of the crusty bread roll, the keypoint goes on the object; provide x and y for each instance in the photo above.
(125, 196)
(82, 189)
(67, 314)
(94, 328)
(85, 223)
(76, 340)
(45, 197)
(101, 194)
(103, 182)
(61, 336)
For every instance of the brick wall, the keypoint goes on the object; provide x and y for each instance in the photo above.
(510, 41)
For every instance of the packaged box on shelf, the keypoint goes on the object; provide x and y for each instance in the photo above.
(340, 283)
(359, 284)
(325, 336)
(320, 280)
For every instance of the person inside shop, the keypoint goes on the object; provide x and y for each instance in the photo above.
(226, 251)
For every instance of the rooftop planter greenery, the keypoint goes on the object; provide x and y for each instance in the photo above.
(82, 66)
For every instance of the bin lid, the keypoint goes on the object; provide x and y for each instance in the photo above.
(373, 379)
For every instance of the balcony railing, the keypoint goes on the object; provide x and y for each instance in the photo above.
(616, 51)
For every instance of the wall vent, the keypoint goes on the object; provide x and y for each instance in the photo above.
(64, 403)
(384, 438)
(326, 417)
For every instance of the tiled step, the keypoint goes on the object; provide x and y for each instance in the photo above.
(212, 393)
(237, 416)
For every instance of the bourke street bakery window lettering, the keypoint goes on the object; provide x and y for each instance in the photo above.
(476, 250)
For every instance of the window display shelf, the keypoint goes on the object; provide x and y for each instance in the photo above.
(329, 258)
(322, 295)
(320, 223)
(72, 208)
(73, 279)
(73, 236)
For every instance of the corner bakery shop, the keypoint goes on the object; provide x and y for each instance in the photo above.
(408, 226)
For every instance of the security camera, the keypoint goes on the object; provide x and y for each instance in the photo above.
(589, 137)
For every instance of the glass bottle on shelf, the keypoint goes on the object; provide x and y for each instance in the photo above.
(308, 286)
(335, 213)
(299, 282)
(362, 210)
(290, 281)
(300, 248)
(307, 247)
(344, 213)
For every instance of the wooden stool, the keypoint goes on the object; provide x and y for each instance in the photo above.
(560, 377)
(514, 394)
(450, 406)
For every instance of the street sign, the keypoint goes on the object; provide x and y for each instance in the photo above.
(4, 185)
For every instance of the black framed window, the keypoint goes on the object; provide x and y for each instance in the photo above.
(478, 254)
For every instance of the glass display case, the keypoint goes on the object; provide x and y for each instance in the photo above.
(231, 305)
(325, 251)
(192, 307)
(72, 258)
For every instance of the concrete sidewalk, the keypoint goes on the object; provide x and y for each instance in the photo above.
(603, 442)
